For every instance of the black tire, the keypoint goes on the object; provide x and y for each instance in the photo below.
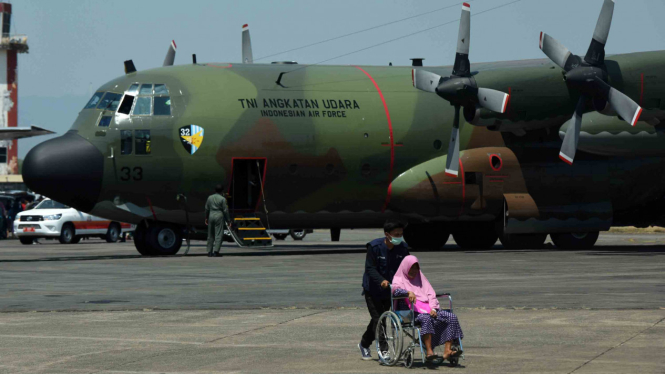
(476, 236)
(67, 234)
(298, 234)
(426, 237)
(76, 240)
(280, 236)
(523, 241)
(140, 240)
(581, 240)
(164, 240)
(113, 233)
(26, 240)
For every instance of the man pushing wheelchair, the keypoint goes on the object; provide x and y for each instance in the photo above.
(409, 303)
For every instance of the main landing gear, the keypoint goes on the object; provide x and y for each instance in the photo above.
(426, 236)
(480, 235)
(575, 240)
(157, 239)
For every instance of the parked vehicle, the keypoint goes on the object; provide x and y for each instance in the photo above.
(53, 220)
(296, 234)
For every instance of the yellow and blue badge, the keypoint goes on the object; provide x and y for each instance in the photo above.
(191, 137)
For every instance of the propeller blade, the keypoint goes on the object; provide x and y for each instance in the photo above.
(424, 80)
(494, 100)
(596, 53)
(462, 66)
(452, 160)
(170, 55)
(247, 57)
(625, 107)
(556, 51)
(569, 146)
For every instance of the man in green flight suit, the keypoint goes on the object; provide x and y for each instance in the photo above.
(217, 213)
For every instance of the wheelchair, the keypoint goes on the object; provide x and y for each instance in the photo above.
(396, 326)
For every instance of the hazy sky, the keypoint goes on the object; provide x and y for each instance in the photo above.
(75, 45)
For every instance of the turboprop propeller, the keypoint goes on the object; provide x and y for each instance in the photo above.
(589, 77)
(460, 89)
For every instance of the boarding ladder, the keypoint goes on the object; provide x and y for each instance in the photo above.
(249, 231)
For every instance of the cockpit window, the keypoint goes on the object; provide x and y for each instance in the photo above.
(133, 89)
(162, 106)
(110, 101)
(146, 89)
(126, 142)
(126, 105)
(160, 89)
(105, 121)
(143, 106)
(94, 100)
(143, 142)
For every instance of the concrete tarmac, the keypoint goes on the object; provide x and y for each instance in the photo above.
(100, 308)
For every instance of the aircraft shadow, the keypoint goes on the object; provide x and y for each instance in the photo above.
(310, 251)
(323, 249)
(618, 250)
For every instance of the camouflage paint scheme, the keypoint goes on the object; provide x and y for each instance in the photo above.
(387, 154)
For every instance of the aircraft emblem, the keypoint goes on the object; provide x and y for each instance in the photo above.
(191, 137)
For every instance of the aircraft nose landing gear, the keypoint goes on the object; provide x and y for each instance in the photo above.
(158, 239)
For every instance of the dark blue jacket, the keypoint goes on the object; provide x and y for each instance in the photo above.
(381, 264)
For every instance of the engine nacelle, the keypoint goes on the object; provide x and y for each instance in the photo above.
(479, 116)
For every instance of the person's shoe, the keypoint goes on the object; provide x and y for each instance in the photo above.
(216, 254)
(209, 254)
(366, 355)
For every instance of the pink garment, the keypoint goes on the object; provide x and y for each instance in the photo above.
(421, 307)
(419, 285)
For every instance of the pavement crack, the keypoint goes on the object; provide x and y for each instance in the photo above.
(618, 345)
(265, 327)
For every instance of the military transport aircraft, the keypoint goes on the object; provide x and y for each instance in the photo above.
(316, 146)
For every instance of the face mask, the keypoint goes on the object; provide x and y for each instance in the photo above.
(396, 241)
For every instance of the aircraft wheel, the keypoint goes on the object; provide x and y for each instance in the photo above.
(298, 234)
(476, 236)
(113, 233)
(280, 236)
(164, 240)
(26, 240)
(140, 241)
(426, 236)
(67, 234)
(575, 240)
(522, 241)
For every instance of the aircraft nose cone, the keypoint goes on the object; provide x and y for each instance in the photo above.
(67, 169)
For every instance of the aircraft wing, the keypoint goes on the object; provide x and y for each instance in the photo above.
(11, 133)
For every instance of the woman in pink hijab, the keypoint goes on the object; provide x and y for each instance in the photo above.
(438, 327)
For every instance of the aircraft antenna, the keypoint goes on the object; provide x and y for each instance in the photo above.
(358, 32)
(402, 37)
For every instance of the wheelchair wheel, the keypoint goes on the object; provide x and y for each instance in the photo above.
(389, 330)
(408, 358)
